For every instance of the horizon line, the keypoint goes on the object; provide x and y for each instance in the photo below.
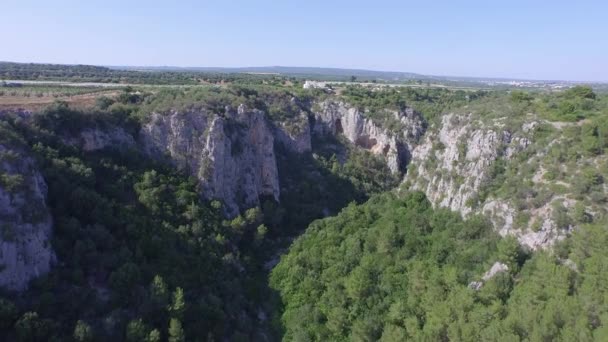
(117, 66)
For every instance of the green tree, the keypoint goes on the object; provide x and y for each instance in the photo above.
(253, 215)
(83, 332)
(580, 214)
(260, 233)
(159, 292)
(580, 91)
(154, 336)
(393, 333)
(31, 328)
(510, 253)
(519, 96)
(176, 332)
(103, 102)
(238, 224)
(178, 305)
(136, 331)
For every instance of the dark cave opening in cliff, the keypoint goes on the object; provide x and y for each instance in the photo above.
(339, 129)
(385, 149)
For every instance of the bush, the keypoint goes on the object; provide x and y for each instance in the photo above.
(560, 216)
(581, 92)
(103, 102)
(519, 96)
(136, 331)
(30, 327)
(11, 183)
(83, 332)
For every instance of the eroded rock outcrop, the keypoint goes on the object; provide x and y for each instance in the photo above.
(295, 135)
(339, 118)
(503, 216)
(456, 162)
(453, 162)
(25, 221)
(232, 156)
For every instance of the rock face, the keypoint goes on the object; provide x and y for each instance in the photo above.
(455, 162)
(93, 139)
(295, 135)
(339, 118)
(503, 214)
(232, 156)
(25, 221)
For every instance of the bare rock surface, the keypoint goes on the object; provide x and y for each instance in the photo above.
(339, 118)
(93, 139)
(232, 156)
(454, 163)
(25, 221)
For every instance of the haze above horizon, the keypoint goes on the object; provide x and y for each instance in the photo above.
(545, 40)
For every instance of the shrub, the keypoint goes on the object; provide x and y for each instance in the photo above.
(11, 183)
(581, 92)
(560, 216)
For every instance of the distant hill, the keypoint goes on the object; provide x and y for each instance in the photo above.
(290, 71)
(191, 75)
(27, 70)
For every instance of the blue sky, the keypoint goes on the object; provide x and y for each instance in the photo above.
(522, 39)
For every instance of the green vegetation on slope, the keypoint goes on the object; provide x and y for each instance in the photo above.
(573, 104)
(431, 102)
(393, 270)
(563, 160)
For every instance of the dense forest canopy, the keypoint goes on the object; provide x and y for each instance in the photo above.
(393, 269)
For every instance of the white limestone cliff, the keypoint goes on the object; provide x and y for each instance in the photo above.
(232, 156)
(454, 162)
(339, 118)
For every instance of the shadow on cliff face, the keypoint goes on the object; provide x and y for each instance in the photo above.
(339, 129)
(309, 190)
